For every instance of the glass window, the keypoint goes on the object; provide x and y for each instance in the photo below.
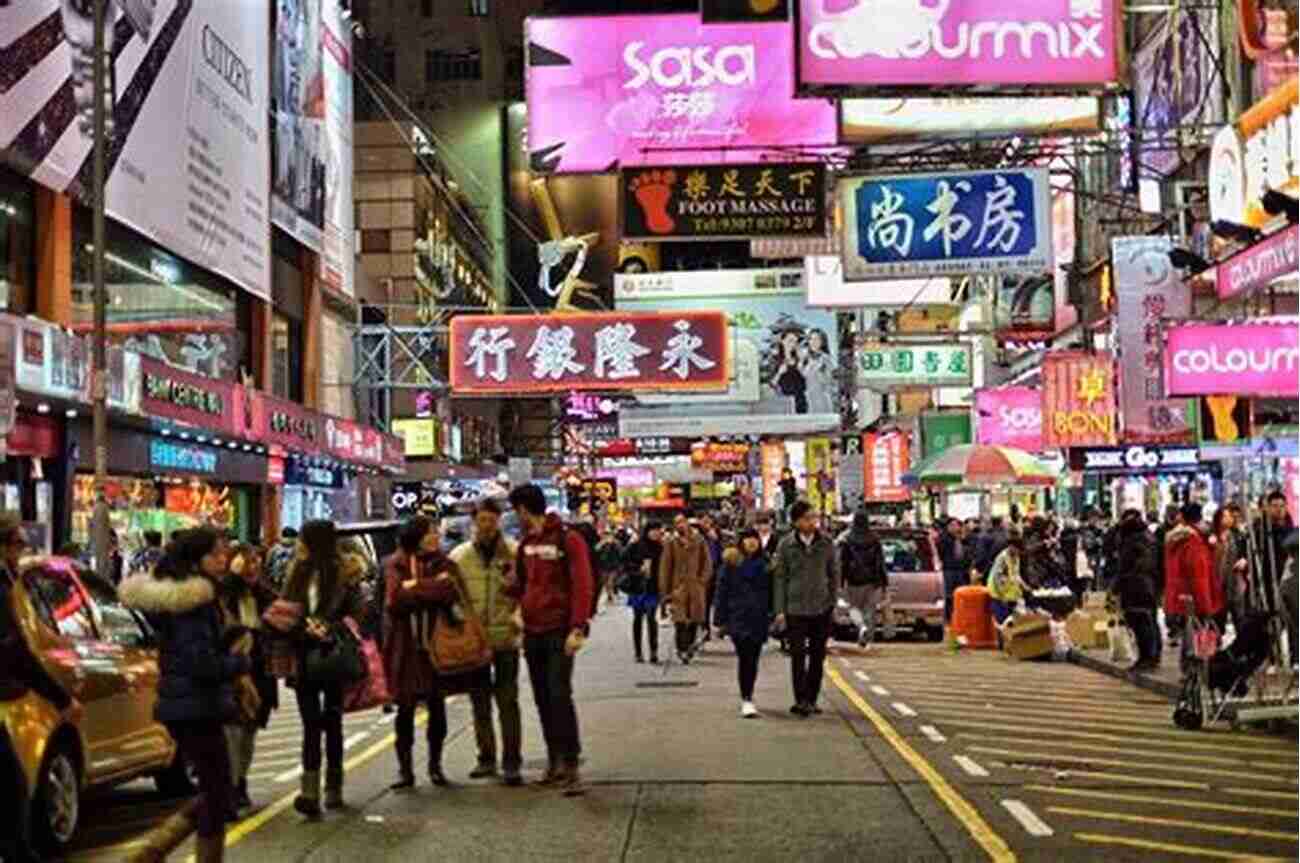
(61, 603)
(17, 228)
(448, 66)
(158, 304)
(907, 554)
(286, 357)
(117, 624)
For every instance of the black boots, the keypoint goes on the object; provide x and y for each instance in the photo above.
(405, 772)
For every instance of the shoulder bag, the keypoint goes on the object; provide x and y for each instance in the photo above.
(338, 660)
(459, 642)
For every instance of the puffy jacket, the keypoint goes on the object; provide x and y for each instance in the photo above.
(196, 673)
(553, 580)
(1135, 567)
(862, 560)
(744, 596)
(486, 578)
(1189, 569)
(639, 583)
(805, 580)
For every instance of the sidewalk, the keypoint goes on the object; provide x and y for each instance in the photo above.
(674, 774)
(1165, 680)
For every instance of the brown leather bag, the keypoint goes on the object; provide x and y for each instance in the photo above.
(459, 646)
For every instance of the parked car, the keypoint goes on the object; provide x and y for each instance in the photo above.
(103, 654)
(915, 589)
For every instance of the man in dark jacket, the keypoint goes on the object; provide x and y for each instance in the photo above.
(954, 557)
(1135, 587)
(862, 566)
(1271, 534)
(805, 579)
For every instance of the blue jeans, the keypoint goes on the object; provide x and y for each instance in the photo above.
(952, 579)
(1002, 610)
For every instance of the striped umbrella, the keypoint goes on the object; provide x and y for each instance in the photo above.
(976, 465)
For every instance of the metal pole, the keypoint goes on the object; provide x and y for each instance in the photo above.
(99, 375)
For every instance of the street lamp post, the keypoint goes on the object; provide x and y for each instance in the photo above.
(99, 370)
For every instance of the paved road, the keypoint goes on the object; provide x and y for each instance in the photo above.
(921, 755)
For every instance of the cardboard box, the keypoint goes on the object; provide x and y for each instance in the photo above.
(1027, 636)
(1088, 629)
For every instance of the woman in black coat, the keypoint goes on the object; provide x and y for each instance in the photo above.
(744, 610)
(643, 589)
(196, 686)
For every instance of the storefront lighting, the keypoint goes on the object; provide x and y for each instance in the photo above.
(42, 408)
(216, 442)
(201, 439)
(247, 448)
(166, 432)
(185, 435)
(71, 413)
(8, 209)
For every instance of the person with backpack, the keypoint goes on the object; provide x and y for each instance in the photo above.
(862, 566)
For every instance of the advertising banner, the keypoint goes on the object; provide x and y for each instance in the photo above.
(773, 462)
(875, 43)
(1258, 153)
(420, 436)
(1259, 265)
(712, 202)
(1257, 360)
(721, 457)
(187, 398)
(347, 440)
(931, 364)
(1136, 459)
(826, 288)
(1147, 288)
(188, 161)
(795, 350)
(635, 90)
(1010, 416)
(337, 262)
(685, 350)
(49, 360)
(979, 222)
(1078, 395)
(888, 121)
(291, 426)
(886, 457)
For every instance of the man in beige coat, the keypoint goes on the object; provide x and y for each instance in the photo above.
(685, 571)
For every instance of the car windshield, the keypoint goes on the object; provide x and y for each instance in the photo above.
(907, 554)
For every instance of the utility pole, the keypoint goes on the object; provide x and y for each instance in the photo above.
(99, 366)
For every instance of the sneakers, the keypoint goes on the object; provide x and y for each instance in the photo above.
(748, 710)
(512, 777)
(484, 770)
(551, 778)
(799, 709)
(570, 783)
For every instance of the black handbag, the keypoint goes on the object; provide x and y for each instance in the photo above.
(338, 660)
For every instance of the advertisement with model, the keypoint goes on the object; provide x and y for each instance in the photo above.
(188, 156)
(635, 90)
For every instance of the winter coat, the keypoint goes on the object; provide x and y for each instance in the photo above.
(1271, 544)
(553, 579)
(1189, 569)
(805, 580)
(487, 573)
(196, 673)
(862, 560)
(333, 603)
(1135, 567)
(242, 606)
(1227, 551)
(744, 596)
(410, 613)
(685, 571)
(1004, 582)
(643, 580)
(952, 557)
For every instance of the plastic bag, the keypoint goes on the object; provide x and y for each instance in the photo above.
(1123, 645)
(371, 690)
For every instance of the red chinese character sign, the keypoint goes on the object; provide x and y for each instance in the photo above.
(610, 351)
(1078, 400)
(886, 456)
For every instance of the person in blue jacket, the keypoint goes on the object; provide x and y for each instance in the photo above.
(744, 610)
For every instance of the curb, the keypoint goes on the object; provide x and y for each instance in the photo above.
(1139, 679)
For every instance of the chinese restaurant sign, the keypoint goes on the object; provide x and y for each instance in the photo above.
(886, 457)
(1147, 288)
(1010, 416)
(347, 440)
(724, 201)
(1253, 359)
(688, 350)
(721, 457)
(635, 90)
(874, 43)
(939, 364)
(1078, 400)
(1260, 265)
(979, 222)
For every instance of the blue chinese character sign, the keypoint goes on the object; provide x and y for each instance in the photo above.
(956, 223)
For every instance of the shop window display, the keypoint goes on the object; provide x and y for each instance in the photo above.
(137, 505)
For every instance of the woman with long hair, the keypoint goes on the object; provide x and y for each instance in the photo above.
(789, 379)
(818, 367)
(745, 610)
(328, 591)
(643, 589)
(196, 686)
(1230, 561)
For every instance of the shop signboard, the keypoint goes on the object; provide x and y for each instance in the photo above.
(172, 394)
(1255, 359)
(50, 361)
(275, 470)
(589, 408)
(249, 407)
(1261, 151)
(826, 287)
(420, 435)
(891, 121)
(629, 477)
(502, 354)
(290, 425)
(1138, 459)
(1259, 265)
(642, 446)
(724, 202)
(1147, 289)
(1011, 417)
(173, 455)
(636, 90)
(721, 457)
(889, 365)
(189, 161)
(1079, 407)
(886, 457)
(944, 430)
(351, 442)
(947, 224)
(301, 472)
(870, 44)
(772, 462)
(793, 350)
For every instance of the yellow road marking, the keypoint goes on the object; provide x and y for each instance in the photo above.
(1160, 746)
(1064, 724)
(1288, 814)
(1174, 822)
(1003, 707)
(1118, 762)
(1190, 850)
(993, 844)
(1249, 792)
(1173, 756)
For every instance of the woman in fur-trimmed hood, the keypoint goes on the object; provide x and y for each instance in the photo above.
(196, 685)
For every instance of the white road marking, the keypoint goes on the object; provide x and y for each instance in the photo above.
(355, 739)
(903, 709)
(880, 690)
(862, 675)
(1033, 825)
(288, 775)
(933, 733)
(965, 762)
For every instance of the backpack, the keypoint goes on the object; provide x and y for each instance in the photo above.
(859, 566)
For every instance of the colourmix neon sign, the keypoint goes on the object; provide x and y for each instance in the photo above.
(1258, 359)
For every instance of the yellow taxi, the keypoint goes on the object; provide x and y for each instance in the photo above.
(102, 654)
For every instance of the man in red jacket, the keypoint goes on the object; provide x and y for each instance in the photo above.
(555, 587)
(1189, 568)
